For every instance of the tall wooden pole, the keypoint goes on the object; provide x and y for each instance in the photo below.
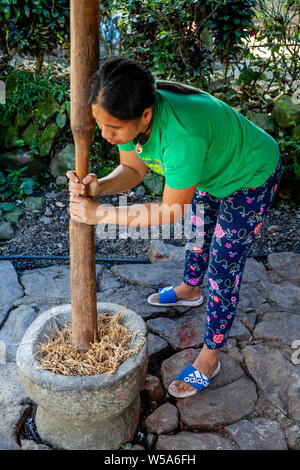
(84, 24)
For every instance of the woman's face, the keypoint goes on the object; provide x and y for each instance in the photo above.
(119, 132)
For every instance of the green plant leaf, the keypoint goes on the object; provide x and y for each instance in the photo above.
(7, 207)
(26, 186)
(61, 120)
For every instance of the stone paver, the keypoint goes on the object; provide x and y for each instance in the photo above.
(281, 327)
(193, 441)
(213, 408)
(10, 288)
(284, 267)
(259, 434)
(15, 327)
(258, 363)
(276, 377)
(8, 444)
(163, 420)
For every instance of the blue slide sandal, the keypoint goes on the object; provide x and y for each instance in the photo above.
(193, 377)
(167, 298)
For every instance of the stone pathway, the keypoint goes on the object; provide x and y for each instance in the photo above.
(252, 404)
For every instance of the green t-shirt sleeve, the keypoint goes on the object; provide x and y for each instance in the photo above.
(127, 147)
(183, 162)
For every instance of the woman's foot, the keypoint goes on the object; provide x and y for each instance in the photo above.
(206, 362)
(183, 292)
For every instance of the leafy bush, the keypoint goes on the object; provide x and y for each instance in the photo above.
(25, 88)
(180, 39)
(13, 184)
(33, 27)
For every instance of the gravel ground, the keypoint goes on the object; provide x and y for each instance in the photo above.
(46, 232)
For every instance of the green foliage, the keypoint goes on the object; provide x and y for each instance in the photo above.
(180, 39)
(13, 184)
(280, 32)
(168, 37)
(6, 207)
(25, 88)
(33, 26)
(231, 22)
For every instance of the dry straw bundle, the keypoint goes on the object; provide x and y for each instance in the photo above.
(58, 355)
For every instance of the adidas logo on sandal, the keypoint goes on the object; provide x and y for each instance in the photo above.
(196, 377)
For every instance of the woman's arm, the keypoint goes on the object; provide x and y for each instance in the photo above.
(173, 206)
(131, 171)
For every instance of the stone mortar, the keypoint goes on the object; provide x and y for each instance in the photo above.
(91, 412)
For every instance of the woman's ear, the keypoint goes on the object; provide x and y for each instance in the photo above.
(147, 114)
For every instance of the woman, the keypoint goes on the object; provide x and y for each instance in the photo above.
(215, 161)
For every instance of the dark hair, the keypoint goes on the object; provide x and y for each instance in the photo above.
(126, 88)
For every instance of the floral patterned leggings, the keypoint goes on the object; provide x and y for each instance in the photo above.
(221, 231)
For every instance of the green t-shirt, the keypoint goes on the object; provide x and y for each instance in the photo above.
(199, 139)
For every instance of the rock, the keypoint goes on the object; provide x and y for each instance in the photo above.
(15, 327)
(163, 420)
(154, 183)
(151, 439)
(61, 180)
(152, 389)
(63, 161)
(14, 215)
(171, 367)
(12, 419)
(47, 139)
(151, 275)
(32, 445)
(10, 289)
(273, 228)
(137, 447)
(135, 298)
(284, 267)
(49, 285)
(51, 195)
(281, 327)
(48, 212)
(46, 110)
(8, 444)
(211, 408)
(13, 401)
(34, 203)
(108, 281)
(158, 349)
(18, 159)
(254, 272)
(262, 120)
(31, 134)
(250, 299)
(161, 251)
(282, 297)
(276, 377)
(292, 435)
(182, 333)
(285, 112)
(45, 220)
(228, 97)
(296, 133)
(10, 137)
(247, 318)
(11, 391)
(6, 231)
(239, 330)
(259, 434)
(140, 191)
(22, 119)
(193, 441)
